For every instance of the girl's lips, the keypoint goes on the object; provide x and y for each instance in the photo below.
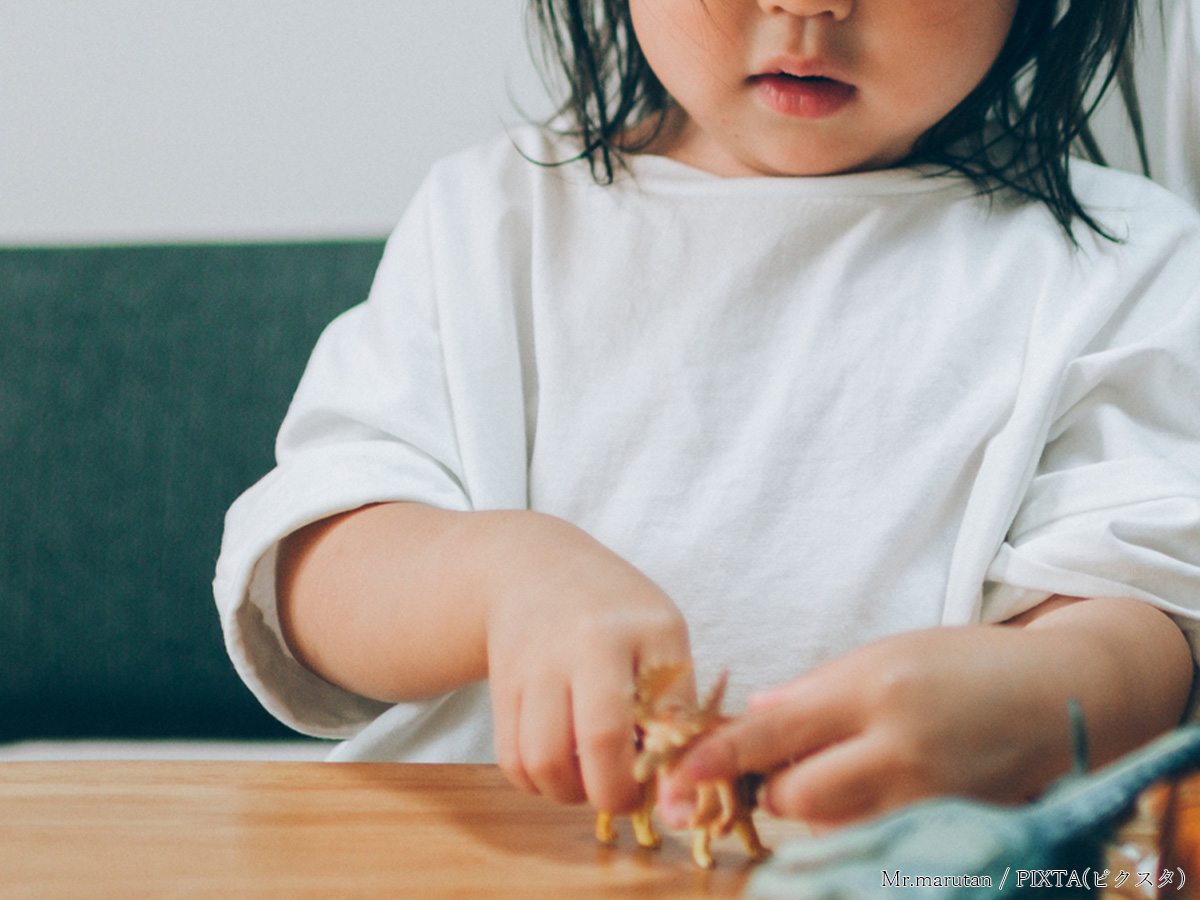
(811, 97)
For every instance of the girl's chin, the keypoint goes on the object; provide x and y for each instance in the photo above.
(781, 153)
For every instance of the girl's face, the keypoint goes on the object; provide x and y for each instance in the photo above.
(813, 87)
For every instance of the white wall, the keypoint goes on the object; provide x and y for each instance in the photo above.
(153, 120)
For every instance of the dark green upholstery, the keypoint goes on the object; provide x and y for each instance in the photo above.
(140, 392)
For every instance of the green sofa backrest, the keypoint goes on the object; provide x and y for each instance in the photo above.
(140, 392)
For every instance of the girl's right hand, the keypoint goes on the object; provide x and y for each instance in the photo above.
(568, 625)
(402, 602)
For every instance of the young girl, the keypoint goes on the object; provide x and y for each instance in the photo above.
(802, 351)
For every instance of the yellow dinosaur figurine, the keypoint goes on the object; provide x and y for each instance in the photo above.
(665, 730)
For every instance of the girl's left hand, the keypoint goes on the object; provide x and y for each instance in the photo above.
(978, 711)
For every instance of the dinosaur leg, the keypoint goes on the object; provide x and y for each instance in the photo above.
(700, 851)
(706, 821)
(605, 833)
(643, 826)
(745, 798)
(744, 829)
(728, 806)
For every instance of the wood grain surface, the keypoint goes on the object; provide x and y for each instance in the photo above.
(170, 829)
(318, 830)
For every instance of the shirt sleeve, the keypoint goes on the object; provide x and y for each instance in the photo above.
(1113, 508)
(405, 397)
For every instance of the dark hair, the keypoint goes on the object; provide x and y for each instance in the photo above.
(1014, 130)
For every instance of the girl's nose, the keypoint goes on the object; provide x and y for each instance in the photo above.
(835, 9)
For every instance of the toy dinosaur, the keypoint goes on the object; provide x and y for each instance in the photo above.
(665, 730)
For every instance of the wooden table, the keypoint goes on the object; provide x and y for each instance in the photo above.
(83, 830)
(131, 830)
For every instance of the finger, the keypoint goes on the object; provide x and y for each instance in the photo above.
(547, 745)
(845, 781)
(801, 723)
(604, 734)
(769, 697)
(506, 716)
(803, 718)
(605, 707)
(660, 640)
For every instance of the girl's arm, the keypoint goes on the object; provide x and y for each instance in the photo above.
(979, 711)
(402, 601)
